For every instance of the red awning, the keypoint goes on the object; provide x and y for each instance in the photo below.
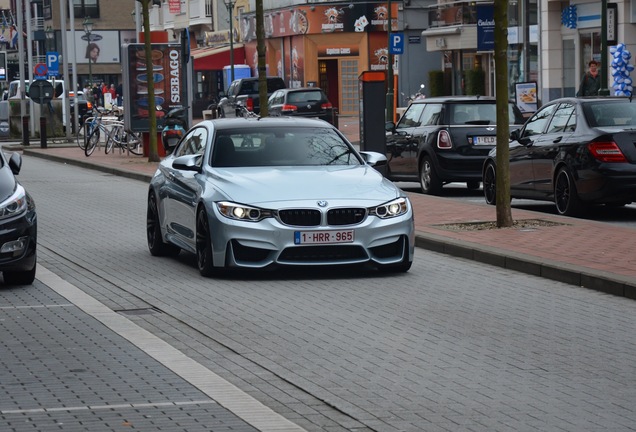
(216, 58)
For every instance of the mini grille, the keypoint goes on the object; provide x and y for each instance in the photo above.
(346, 216)
(300, 217)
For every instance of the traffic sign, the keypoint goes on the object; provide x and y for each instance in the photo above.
(53, 63)
(397, 43)
(41, 91)
(40, 71)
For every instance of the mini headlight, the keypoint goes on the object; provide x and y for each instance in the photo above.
(14, 205)
(242, 212)
(391, 209)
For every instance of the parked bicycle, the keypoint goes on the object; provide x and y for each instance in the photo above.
(123, 139)
(101, 125)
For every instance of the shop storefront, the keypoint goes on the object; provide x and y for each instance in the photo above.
(325, 46)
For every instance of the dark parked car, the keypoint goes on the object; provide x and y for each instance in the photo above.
(444, 139)
(244, 92)
(83, 106)
(18, 225)
(301, 102)
(261, 192)
(575, 152)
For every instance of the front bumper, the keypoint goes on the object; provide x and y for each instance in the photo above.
(18, 241)
(269, 242)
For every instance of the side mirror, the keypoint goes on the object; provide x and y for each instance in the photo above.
(389, 127)
(514, 135)
(187, 163)
(222, 94)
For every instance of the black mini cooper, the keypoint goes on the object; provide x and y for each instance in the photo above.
(443, 140)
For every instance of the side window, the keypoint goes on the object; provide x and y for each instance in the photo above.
(537, 123)
(563, 120)
(194, 143)
(431, 115)
(411, 117)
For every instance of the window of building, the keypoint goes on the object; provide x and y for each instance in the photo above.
(86, 8)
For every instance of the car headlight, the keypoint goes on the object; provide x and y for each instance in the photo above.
(16, 204)
(242, 212)
(394, 208)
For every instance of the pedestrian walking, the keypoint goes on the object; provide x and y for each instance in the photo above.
(120, 95)
(591, 81)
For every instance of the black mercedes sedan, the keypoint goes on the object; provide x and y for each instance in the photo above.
(18, 225)
(576, 152)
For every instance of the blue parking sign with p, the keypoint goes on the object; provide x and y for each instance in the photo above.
(397, 43)
(53, 63)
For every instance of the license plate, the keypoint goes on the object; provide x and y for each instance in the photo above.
(323, 237)
(485, 140)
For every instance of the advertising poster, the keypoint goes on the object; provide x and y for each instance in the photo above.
(103, 47)
(485, 28)
(169, 83)
(378, 52)
(526, 96)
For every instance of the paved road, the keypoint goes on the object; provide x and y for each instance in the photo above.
(453, 345)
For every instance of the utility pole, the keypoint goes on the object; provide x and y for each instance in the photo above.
(604, 91)
(389, 76)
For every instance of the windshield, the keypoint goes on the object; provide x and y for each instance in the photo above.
(278, 146)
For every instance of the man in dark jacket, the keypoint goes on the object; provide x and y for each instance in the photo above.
(591, 81)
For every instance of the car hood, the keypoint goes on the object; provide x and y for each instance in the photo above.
(268, 185)
(7, 183)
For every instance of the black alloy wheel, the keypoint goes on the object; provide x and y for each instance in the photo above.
(566, 197)
(156, 245)
(490, 184)
(205, 260)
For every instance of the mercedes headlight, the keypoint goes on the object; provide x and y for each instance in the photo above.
(394, 208)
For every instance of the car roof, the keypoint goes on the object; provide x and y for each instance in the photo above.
(248, 122)
(288, 90)
(455, 99)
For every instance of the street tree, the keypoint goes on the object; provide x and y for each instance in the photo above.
(504, 213)
(153, 155)
(262, 59)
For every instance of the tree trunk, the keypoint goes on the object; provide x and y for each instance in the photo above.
(262, 59)
(504, 214)
(153, 155)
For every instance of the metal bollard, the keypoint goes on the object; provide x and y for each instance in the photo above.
(25, 130)
(43, 132)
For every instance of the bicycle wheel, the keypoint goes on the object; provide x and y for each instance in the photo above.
(110, 139)
(82, 135)
(134, 142)
(92, 142)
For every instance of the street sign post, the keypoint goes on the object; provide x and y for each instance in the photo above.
(53, 63)
(41, 91)
(39, 71)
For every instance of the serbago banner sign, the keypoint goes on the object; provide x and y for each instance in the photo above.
(169, 83)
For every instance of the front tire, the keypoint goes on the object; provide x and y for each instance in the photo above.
(19, 277)
(429, 181)
(490, 184)
(205, 261)
(156, 245)
(92, 142)
(566, 197)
